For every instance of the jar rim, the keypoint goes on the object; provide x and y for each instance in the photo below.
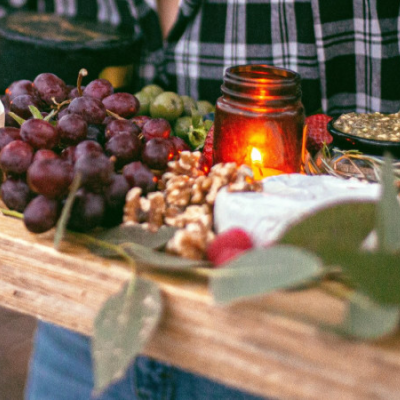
(261, 83)
(252, 73)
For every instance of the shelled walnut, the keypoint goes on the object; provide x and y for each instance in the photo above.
(185, 200)
(148, 211)
(190, 242)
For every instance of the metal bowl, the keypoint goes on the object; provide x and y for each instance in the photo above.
(346, 141)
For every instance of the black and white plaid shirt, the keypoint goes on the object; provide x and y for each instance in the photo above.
(347, 52)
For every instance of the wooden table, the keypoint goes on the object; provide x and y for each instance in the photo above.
(270, 346)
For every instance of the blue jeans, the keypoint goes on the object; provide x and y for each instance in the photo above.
(61, 369)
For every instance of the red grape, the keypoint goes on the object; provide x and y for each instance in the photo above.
(44, 154)
(72, 129)
(86, 147)
(41, 214)
(157, 153)
(16, 157)
(20, 105)
(50, 86)
(8, 134)
(125, 105)
(50, 177)
(139, 175)
(156, 127)
(115, 195)
(15, 194)
(40, 134)
(96, 171)
(90, 109)
(121, 125)
(179, 145)
(124, 148)
(87, 211)
(19, 87)
(99, 88)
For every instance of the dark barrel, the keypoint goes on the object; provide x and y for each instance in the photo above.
(32, 43)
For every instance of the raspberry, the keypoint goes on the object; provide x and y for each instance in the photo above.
(317, 133)
(228, 245)
(206, 160)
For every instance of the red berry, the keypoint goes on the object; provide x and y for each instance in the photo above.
(317, 132)
(206, 160)
(228, 245)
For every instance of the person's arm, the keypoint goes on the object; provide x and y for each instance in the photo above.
(167, 11)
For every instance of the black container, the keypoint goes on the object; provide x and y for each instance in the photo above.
(32, 43)
(345, 141)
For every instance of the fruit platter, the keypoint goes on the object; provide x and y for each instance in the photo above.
(113, 212)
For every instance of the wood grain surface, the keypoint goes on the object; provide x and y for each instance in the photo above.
(273, 345)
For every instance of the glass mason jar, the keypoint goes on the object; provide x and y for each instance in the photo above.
(259, 119)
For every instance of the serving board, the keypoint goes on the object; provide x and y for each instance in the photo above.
(272, 346)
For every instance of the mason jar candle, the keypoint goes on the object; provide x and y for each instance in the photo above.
(259, 120)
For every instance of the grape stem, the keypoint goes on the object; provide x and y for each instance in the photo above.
(83, 72)
(11, 213)
(112, 114)
(87, 239)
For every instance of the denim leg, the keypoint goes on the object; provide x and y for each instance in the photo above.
(61, 369)
(194, 387)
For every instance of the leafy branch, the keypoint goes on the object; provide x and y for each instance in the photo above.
(329, 243)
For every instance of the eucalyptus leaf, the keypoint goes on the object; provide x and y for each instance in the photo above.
(366, 319)
(388, 215)
(62, 223)
(263, 270)
(136, 234)
(343, 227)
(155, 259)
(377, 274)
(121, 329)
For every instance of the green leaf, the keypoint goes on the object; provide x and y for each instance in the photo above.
(50, 115)
(136, 234)
(341, 227)
(16, 117)
(160, 260)
(35, 112)
(366, 319)
(262, 271)
(377, 274)
(388, 215)
(121, 329)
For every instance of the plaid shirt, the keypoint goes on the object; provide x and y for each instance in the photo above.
(347, 52)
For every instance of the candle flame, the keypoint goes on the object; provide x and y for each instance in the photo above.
(256, 156)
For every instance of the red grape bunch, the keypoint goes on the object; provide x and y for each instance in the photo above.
(55, 131)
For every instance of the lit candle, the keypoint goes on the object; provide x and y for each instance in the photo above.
(259, 120)
(256, 164)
